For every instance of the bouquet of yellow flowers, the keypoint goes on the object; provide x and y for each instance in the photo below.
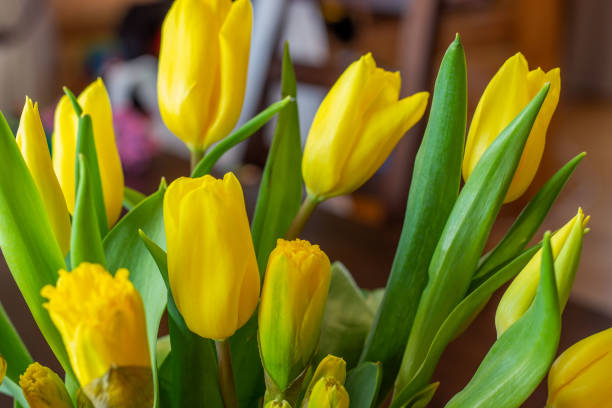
(258, 317)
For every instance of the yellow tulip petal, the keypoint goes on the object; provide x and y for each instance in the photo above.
(64, 149)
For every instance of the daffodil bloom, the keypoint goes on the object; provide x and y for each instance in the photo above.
(211, 260)
(512, 87)
(328, 392)
(43, 388)
(356, 127)
(35, 151)
(95, 102)
(101, 319)
(203, 61)
(2, 368)
(580, 377)
(566, 246)
(292, 305)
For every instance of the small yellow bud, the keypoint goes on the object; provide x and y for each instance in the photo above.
(357, 125)
(277, 404)
(292, 305)
(43, 388)
(580, 377)
(506, 95)
(32, 143)
(211, 259)
(203, 61)
(328, 393)
(2, 369)
(330, 366)
(101, 319)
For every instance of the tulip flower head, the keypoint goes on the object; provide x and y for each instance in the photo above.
(43, 388)
(328, 392)
(203, 61)
(32, 143)
(510, 90)
(95, 102)
(357, 125)
(580, 377)
(292, 305)
(211, 259)
(101, 319)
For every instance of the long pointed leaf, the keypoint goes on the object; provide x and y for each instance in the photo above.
(131, 198)
(12, 348)
(363, 383)
(10, 388)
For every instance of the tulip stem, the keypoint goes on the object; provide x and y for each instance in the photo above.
(226, 374)
(196, 156)
(304, 213)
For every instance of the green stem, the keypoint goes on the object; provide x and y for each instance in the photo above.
(298, 223)
(196, 156)
(226, 374)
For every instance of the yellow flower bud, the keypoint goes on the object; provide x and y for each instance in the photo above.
(95, 102)
(292, 305)
(330, 366)
(35, 151)
(357, 125)
(328, 393)
(101, 319)
(43, 388)
(2, 368)
(278, 404)
(580, 377)
(203, 61)
(512, 87)
(211, 260)
(566, 246)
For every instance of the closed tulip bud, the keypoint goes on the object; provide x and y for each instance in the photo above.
(203, 61)
(2, 369)
(292, 305)
(43, 388)
(328, 393)
(211, 260)
(101, 319)
(277, 404)
(95, 102)
(357, 125)
(35, 151)
(512, 87)
(330, 366)
(580, 377)
(566, 246)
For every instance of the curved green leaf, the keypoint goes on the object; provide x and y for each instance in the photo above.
(363, 383)
(10, 388)
(12, 348)
(131, 198)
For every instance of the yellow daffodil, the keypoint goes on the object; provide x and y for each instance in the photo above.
(211, 260)
(2, 368)
(292, 305)
(203, 63)
(357, 125)
(566, 246)
(512, 87)
(33, 146)
(328, 392)
(101, 319)
(580, 377)
(95, 102)
(43, 388)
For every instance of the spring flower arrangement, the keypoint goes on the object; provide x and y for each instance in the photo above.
(258, 317)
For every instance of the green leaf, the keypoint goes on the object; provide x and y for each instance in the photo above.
(131, 198)
(346, 320)
(10, 388)
(423, 397)
(528, 221)
(12, 348)
(195, 379)
(85, 239)
(433, 191)
(280, 192)
(466, 231)
(206, 164)
(26, 238)
(456, 321)
(363, 384)
(124, 249)
(521, 357)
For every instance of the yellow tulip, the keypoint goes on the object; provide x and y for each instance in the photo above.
(292, 305)
(580, 377)
(509, 91)
(328, 393)
(35, 151)
(211, 260)
(566, 246)
(2, 368)
(101, 319)
(43, 388)
(95, 102)
(331, 367)
(357, 125)
(203, 61)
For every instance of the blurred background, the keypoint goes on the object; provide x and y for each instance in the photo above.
(45, 44)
